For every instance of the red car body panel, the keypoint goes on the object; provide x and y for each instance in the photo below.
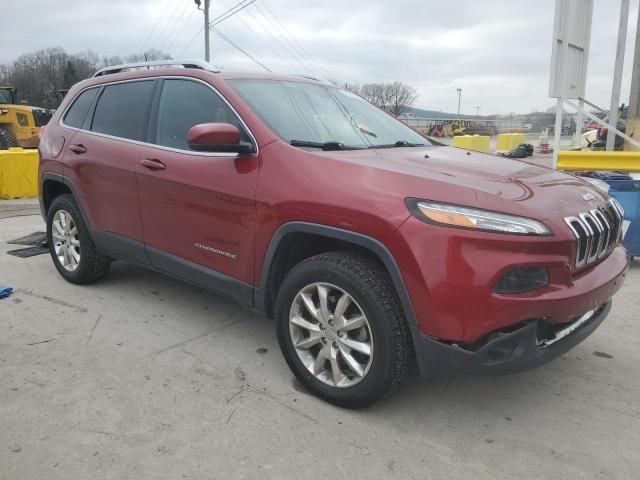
(105, 180)
(205, 201)
(238, 204)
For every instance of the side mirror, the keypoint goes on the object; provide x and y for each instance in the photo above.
(217, 137)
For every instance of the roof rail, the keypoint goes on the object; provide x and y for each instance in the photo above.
(197, 64)
(308, 77)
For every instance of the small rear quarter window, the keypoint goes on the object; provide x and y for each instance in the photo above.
(76, 115)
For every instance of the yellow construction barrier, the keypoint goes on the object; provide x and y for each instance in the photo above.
(509, 141)
(477, 143)
(18, 173)
(598, 161)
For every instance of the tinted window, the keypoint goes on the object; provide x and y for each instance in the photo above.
(121, 110)
(184, 104)
(78, 112)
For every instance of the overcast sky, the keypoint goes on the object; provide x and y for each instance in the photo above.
(498, 52)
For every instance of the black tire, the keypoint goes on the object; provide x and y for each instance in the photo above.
(368, 283)
(7, 140)
(92, 266)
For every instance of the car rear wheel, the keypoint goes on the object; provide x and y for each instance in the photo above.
(342, 330)
(70, 245)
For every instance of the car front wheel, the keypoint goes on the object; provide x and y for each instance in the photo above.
(342, 330)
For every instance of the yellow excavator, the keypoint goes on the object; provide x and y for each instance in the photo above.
(20, 124)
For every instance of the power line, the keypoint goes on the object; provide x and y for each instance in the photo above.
(248, 25)
(294, 42)
(168, 24)
(284, 39)
(191, 41)
(156, 24)
(217, 20)
(188, 17)
(229, 13)
(230, 42)
(284, 48)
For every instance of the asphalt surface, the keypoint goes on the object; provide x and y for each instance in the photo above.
(141, 376)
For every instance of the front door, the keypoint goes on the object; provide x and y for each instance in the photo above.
(197, 208)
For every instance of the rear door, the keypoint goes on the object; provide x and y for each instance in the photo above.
(102, 157)
(196, 207)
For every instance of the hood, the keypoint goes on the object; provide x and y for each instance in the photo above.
(458, 176)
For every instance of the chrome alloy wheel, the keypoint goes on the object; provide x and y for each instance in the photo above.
(331, 335)
(66, 242)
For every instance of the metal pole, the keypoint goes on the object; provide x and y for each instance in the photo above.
(459, 96)
(206, 29)
(634, 102)
(564, 55)
(617, 73)
(579, 120)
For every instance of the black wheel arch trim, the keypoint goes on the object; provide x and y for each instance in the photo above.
(362, 240)
(57, 177)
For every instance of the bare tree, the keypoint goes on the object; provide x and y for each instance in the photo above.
(39, 76)
(375, 93)
(400, 96)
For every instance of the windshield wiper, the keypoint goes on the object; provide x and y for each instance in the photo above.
(323, 145)
(399, 143)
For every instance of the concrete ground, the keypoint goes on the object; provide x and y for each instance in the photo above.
(19, 207)
(141, 376)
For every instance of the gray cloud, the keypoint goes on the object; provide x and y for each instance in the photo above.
(497, 51)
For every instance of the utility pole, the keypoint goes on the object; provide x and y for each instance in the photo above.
(633, 120)
(477, 111)
(459, 90)
(206, 29)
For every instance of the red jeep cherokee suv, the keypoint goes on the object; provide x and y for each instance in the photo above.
(371, 248)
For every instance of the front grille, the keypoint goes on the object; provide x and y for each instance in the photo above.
(597, 231)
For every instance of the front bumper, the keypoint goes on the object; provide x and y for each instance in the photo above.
(527, 346)
(450, 275)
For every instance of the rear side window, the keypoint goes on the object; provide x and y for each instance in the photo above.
(78, 112)
(121, 110)
(182, 105)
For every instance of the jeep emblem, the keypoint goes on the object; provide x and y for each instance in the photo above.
(588, 196)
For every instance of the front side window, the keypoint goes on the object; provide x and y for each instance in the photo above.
(185, 103)
(76, 115)
(121, 110)
(318, 114)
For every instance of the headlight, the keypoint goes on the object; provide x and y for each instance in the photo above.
(471, 218)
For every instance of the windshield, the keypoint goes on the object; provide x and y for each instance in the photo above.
(5, 96)
(321, 115)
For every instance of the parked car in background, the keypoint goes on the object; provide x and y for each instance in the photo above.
(372, 249)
